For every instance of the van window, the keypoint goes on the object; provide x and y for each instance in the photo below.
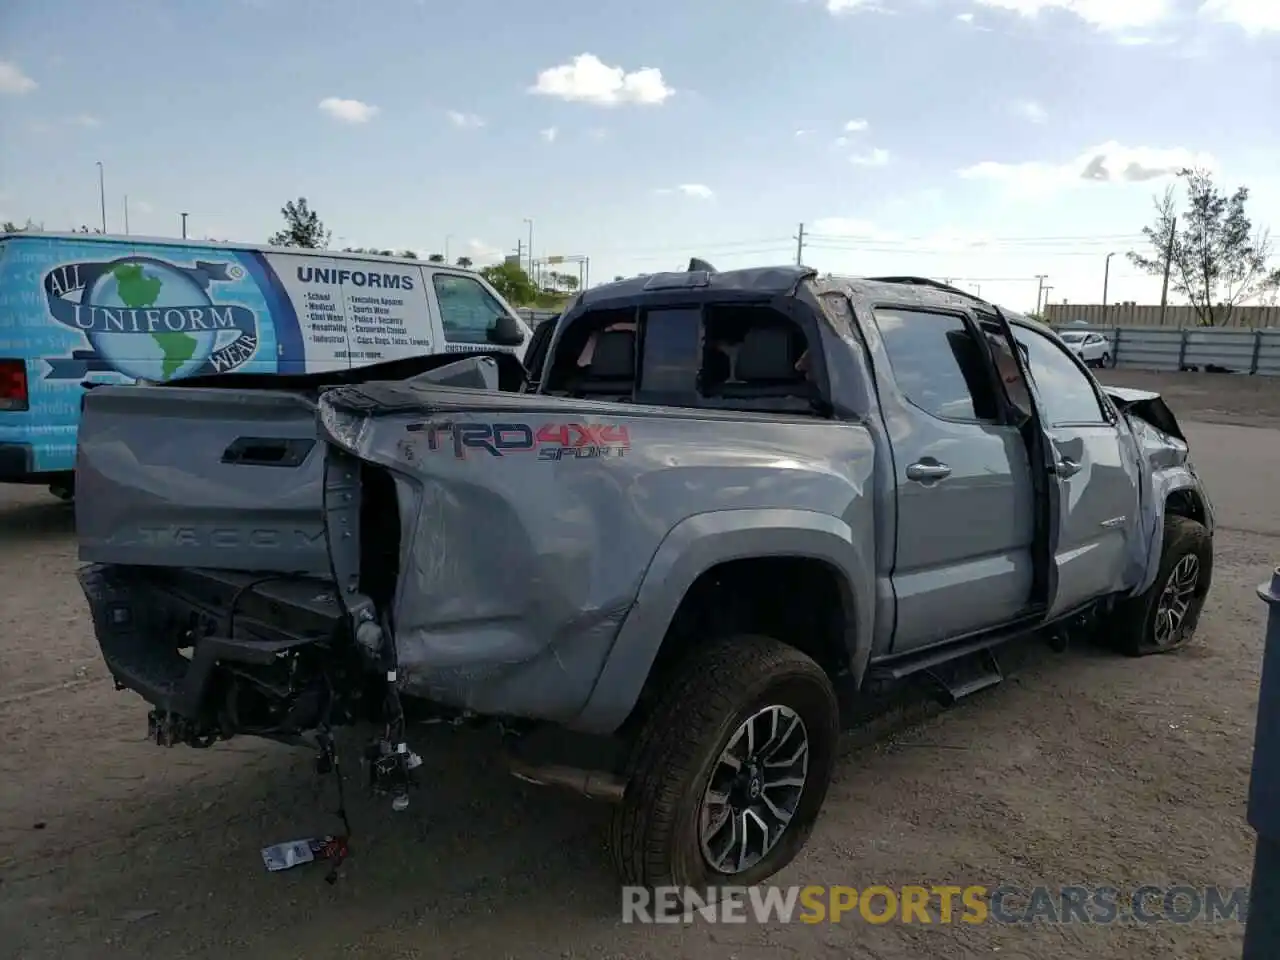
(467, 310)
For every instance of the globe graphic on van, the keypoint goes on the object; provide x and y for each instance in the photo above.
(139, 284)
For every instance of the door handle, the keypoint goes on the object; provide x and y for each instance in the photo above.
(1067, 467)
(928, 470)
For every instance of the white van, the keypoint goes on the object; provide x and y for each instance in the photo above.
(83, 307)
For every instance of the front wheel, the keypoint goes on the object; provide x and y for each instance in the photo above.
(1105, 363)
(730, 770)
(1163, 618)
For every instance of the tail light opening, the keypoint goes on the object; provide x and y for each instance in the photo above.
(13, 384)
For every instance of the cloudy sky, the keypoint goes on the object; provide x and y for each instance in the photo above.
(983, 141)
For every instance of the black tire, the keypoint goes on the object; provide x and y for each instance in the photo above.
(655, 836)
(1132, 627)
(1105, 363)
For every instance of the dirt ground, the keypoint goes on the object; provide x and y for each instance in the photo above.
(1084, 768)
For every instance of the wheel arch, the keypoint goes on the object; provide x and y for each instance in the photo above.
(705, 554)
(1176, 493)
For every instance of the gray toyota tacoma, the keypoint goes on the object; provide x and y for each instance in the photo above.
(715, 512)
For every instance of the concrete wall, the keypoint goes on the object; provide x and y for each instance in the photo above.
(1144, 315)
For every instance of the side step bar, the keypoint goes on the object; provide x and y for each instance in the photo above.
(959, 668)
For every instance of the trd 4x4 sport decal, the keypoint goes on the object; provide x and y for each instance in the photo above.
(551, 441)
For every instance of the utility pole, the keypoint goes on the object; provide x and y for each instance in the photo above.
(1042, 277)
(529, 221)
(800, 246)
(1168, 262)
(1046, 303)
(102, 195)
(520, 254)
(1106, 279)
(126, 214)
(184, 226)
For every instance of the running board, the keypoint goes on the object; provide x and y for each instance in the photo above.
(930, 659)
(966, 676)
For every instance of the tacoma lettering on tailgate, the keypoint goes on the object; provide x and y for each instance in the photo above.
(551, 441)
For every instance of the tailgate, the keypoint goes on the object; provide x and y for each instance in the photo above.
(201, 477)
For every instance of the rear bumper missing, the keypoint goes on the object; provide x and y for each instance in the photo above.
(191, 642)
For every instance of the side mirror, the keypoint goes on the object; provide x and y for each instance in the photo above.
(505, 332)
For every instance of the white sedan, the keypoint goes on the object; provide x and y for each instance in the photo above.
(1093, 348)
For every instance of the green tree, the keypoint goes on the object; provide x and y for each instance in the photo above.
(436, 258)
(1216, 259)
(302, 227)
(511, 282)
(465, 262)
(407, 255)
(570, 282)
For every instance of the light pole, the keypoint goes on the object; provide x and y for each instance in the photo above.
(126, 214)
(102, 194)
(184, 226)
(1106, 280)
(447, 238)
(1042, 277)
(529, 221)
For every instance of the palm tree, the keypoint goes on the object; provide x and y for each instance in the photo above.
(464, 262)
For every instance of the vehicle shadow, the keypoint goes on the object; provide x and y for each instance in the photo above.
(32, 519)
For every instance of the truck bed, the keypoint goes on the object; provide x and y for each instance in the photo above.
(512, 531)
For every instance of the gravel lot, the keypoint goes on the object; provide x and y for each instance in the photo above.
(1084, 768)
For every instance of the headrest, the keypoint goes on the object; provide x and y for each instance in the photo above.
(765, 354)
(614, 355)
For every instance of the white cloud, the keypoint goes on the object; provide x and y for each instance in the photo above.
(856, 126)
(482, 253)
(465, 121)
(849, 6)
(875, 158)
(1109, 162)
(965, 17)
(1252, 16)
(13, 80)
(85, 120)
(549, 134)
(586, 79)
(803, 133)
(598, 133)
(348, 111)
(1030, 110)
(699, 191)
(1103, 14)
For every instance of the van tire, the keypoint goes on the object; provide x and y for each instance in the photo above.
(1135, 626)
(657, 836)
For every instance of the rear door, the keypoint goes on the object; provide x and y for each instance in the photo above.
(965, 501)
(1095, 484)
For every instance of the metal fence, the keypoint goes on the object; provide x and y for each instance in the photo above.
(1191, 348)
(534, 317)
(1145, 315)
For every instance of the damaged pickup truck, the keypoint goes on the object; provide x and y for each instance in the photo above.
(717, 509)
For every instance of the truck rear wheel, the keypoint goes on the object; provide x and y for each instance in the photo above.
(730, 770)
(1163, 618)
